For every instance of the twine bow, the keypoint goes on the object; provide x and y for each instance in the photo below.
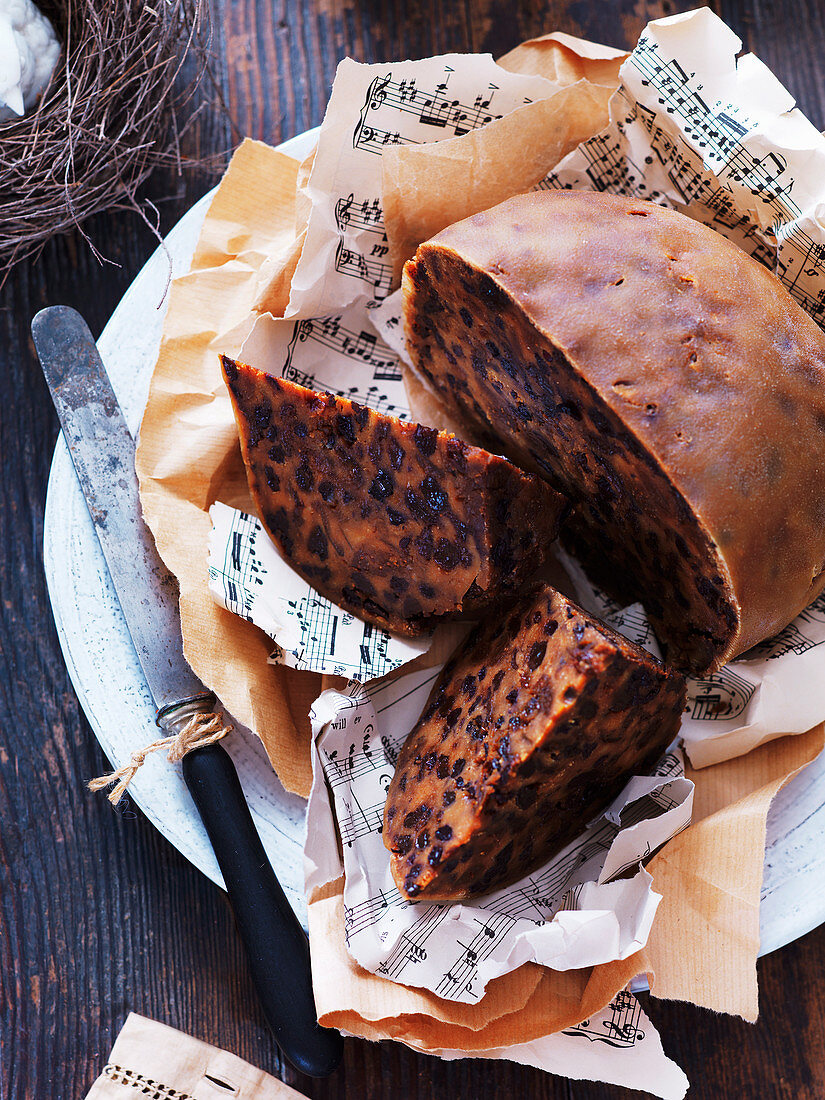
(201, 729)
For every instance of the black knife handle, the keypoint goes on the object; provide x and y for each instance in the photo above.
(276, 944)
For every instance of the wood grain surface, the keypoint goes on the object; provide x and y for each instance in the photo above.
(98, 914)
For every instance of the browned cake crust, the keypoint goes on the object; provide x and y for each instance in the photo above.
(532, 729)
(396, 522)
(661, 378)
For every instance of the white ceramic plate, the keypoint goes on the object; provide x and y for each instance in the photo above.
(109, 683)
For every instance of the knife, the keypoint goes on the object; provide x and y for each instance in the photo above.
(103, 453)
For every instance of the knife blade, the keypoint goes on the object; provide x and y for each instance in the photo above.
(103, 454)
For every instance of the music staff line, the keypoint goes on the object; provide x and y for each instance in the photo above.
(245, 530)
(433, 108)
(365, 215)
(411, 944)
(789, 640)
(723, 141)
(548, 892)
(318, 624)
(240, 558)
(319, 620)
(360, 820)
(620, 1029)
(351, 262)
(372, 139)
(545, 889)
(464, 969)
(373, 692)
(372, 397)
(721, 133)
(688, 175)
(429, 107)
(411, 947)
(670, 766)
(362, 345)
(365, 914)
(611, 169)
(761, 176)
(356, 765)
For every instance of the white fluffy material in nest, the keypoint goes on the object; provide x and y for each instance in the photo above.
(28, 54)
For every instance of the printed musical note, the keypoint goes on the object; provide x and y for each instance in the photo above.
(372, 139)
(671, 764)
(358, 918)
(814, 612)
(239, 573)
(719, 696)
(617, 1025)
(431, 107)
(358, 820)
(372, 270)
(366, 214)
(365, 763)
(359, 345)
(464, 967)
(300, 377)
(715, 132)
(330, 333)
(411, 944)
(320, 622)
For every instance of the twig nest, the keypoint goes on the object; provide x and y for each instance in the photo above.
(28, 54)
(115, 108)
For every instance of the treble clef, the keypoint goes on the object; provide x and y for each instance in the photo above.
(342, 211)
(378, 91)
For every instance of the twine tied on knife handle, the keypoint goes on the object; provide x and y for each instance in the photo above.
(197, 729)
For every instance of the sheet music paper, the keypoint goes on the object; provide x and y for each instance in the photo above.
(618, 1045)
(248, 576)
(573, 912)
(340, 353)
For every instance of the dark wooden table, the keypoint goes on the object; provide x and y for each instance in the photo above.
(98, 914)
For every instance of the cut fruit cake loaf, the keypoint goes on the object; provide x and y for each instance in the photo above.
(397, 523)
(661, 378)
(532, 729)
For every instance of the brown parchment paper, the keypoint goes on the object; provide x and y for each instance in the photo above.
(705, 938)
(428, 187)
(564, 59)
(188, 457)
(275, 274)
(151, 1059)
(460, 176)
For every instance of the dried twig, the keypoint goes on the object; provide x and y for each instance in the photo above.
(114, 110)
